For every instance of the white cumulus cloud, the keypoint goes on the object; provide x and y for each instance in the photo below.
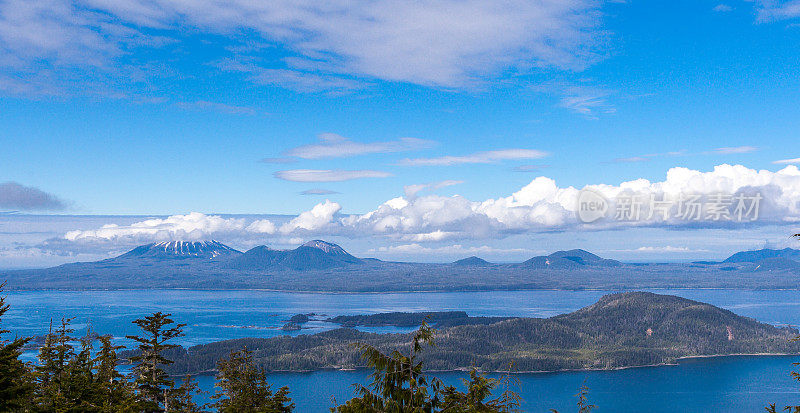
(544, 206)
(540, 206)
(315, 219)
(193, 226)
(262, 226)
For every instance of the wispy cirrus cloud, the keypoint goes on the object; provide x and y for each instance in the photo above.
(204, 105)
(583, 98)
(329, 46)
(776, 10)
(412, 190)
(530, 168)
(631, 159)
(328, 175)
(588, 105)
(278, 160)
(297, 80)
(477, 157)
(64, 48)
(728, 150)
(27, 198)
(318, 191)
(787, 161)
(331, 145)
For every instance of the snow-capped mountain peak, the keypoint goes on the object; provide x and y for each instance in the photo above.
(181, 249)
(326, 247)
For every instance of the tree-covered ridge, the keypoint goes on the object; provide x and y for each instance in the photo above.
(620, 330)
(404, 319)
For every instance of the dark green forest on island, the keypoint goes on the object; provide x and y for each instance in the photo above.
(620, 330)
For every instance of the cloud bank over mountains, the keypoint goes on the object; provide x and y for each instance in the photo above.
(540, 206)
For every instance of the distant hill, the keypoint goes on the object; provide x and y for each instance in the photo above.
(546, 262)
(578, 255)
(181, 249)
(777, 264)
(585, 258)
(259, 257)
(762, 254)
(571, 259)
(313, 255)
(620, 330)
(472, 261)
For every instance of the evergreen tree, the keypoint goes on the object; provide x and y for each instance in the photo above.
(112, 393)
(64, 378)
(16, 387)
(399, 386)
(53, 382)
(82, 383)
(181, 399)
(151, 380)
(244, 387)
(583, 400)
(479, 389)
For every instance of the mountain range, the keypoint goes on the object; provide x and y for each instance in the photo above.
(763, 254)
(313, 255)
(323, 266)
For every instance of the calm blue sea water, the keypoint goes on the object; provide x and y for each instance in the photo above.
(729, 384)
(723, 384)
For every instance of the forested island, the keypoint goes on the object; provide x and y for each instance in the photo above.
(620, 330)
(403, 319)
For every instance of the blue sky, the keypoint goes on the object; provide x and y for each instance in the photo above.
(163, 107)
